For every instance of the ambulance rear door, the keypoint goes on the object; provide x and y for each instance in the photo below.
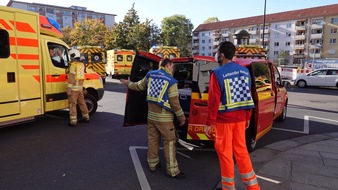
(136, 106)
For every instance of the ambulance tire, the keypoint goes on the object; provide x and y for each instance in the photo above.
(91, 103)
(282, 117)
(250, 140)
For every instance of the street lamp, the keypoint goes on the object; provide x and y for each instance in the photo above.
(264, 22)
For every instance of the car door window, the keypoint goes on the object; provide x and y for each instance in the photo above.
(262, 76)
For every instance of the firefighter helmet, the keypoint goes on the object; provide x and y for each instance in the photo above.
(74, 54)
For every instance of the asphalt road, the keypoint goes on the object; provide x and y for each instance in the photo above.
(47, 154)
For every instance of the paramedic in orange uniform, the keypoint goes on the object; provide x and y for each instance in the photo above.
(75, 88)
(229, 105)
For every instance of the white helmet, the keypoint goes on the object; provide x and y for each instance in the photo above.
(74, 54)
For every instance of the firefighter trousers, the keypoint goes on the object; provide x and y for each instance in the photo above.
(230, 140)
(168, 132)
(77, 97)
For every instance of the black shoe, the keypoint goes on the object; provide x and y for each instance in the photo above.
(85, 120)
(71, 125)
(156, 167)
(180, 175)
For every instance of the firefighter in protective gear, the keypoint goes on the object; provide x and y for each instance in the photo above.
(229, 106)
(75, 88)
(163, 104)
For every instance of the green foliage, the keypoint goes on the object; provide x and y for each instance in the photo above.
(211, 20)
(176, 31)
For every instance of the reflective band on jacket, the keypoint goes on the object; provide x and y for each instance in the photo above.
(234, 81)
(158, 83)
(160, 117)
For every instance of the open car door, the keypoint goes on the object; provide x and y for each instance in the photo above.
(136, 106)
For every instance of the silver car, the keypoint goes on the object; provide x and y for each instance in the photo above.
(321, 77)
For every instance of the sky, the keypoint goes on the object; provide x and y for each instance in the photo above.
(196, 10)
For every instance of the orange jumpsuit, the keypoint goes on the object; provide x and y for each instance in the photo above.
(75, 89)
(230, 140)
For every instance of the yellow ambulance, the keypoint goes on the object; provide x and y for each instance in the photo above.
(33, 61)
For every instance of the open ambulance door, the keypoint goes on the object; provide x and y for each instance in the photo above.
(264, 98)
(136, 106)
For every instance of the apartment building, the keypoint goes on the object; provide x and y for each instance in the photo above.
(65, 16)
(290, 37)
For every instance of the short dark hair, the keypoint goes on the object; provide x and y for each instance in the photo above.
(228, 49)
(164, 62)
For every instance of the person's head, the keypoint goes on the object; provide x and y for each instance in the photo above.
(52, 52)
(74, 54)
(167, 63)
(225, 53)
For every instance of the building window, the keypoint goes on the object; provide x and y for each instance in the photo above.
(333, 30)
(209, 40)
(333, 41)
(287, 43)
(275, 53)
(288, 34)
(276, 26)
(276, 35)
(203, 41)
(210, 47)
(203, 34)
(334, 20)
(33, 8)
(203, 48)
(276, 43)
(50, 10)
(288, 25)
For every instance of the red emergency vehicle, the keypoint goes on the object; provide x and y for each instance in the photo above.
(269, 94)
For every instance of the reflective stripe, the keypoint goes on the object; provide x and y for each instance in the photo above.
(228, 187)
(248, 175)
(153, 162)
(179, 112)
(251, 182)
(228, 180)
(172, 165)
(160, 117)
(140, 86)
(173, 94)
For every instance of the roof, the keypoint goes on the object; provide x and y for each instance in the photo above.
(327, 10)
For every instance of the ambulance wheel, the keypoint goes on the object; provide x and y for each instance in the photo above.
(91, 103)
(283, 115)
(250, 140)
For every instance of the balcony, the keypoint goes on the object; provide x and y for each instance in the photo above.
(317, 55)
(299, 46)
(195, 51)
(299, 56)
(195, 44)
(316, 36)
(316, 26)
(300, 27)
(195, 37)
(300, 37)
(216, 43)
(252, 41)
(253, 32)
(225, 35)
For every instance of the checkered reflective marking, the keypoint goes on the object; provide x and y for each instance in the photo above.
(156, 87)
(239, 91)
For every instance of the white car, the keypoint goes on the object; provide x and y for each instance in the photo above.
(320, 77)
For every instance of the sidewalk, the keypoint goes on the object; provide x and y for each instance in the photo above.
(304, 163)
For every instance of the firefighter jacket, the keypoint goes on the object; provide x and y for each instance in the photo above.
(162, 95)
(76, 76)
(234, 81)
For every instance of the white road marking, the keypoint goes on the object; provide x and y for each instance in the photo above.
(139, 169)
(268, 179)
(306, 129)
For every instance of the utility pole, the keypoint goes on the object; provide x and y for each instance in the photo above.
(264, 22)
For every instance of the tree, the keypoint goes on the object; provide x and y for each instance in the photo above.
(89, 32)
(124, 28)
(211, 20)
(67, 35)
(283, 58)
(176, 31)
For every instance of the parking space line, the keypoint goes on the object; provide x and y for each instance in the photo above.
(268, 179)
(306, 129)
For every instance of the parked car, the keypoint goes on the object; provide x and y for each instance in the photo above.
(321, 77)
